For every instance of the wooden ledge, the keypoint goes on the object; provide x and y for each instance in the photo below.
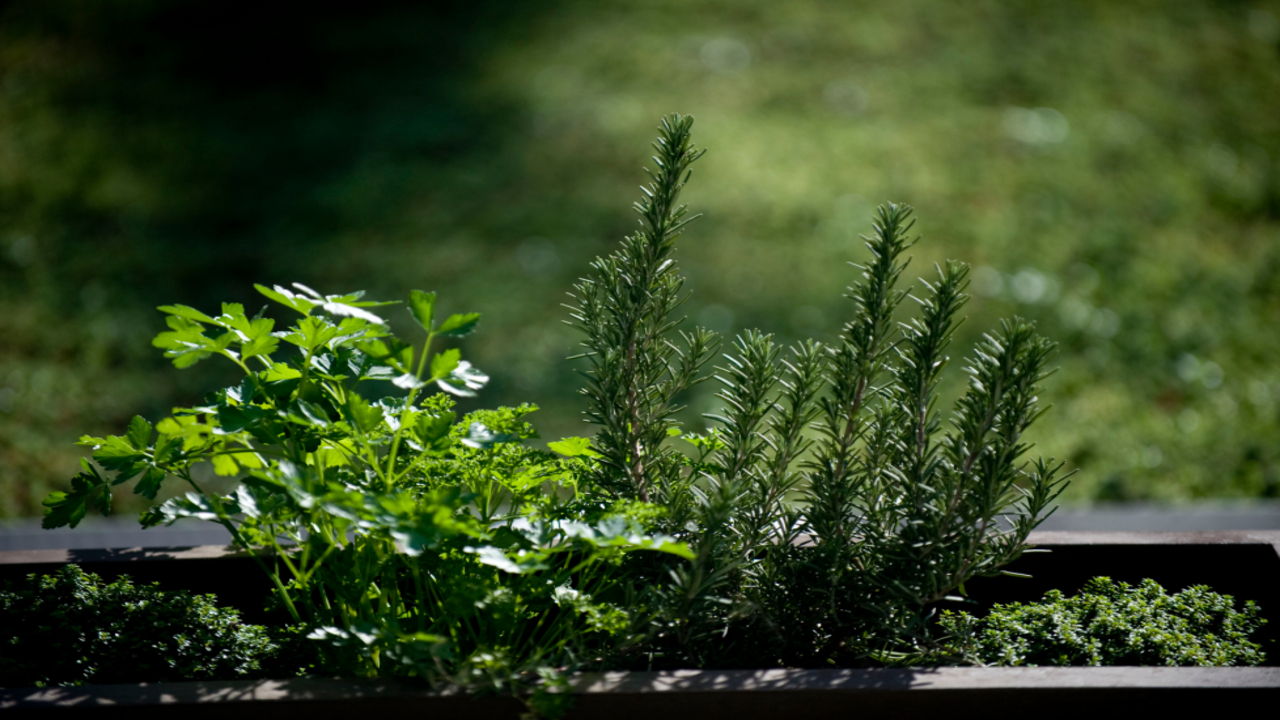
(690, 695)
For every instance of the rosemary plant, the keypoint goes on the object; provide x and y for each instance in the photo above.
(636, 371)
(828, 509)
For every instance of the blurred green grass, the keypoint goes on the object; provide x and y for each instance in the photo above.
(1110, 169)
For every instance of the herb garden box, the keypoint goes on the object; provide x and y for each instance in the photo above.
(1244, 564)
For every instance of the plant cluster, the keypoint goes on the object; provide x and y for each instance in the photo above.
(1110, 623)
(408, 542)
(828, 509)
(71, 628)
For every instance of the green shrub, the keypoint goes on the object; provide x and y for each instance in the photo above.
(1110, 623)
(408, 540)
(829, 506)
(72, 627)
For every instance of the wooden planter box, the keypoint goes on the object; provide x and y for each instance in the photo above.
(1244, 564)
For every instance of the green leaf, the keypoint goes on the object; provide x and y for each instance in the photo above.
(89, 490)
(494, 557)
(422, 305)
(245, 392)
(354, 300)
(376, 349)
(311, 332)
(308, 291)
(166, 447)
(197, 506)
(248, 503)
(264, 345)
(707, 442)
(224, 465)
(481, 437)
(459, 325)
(620, 532)
(185, 343)
(445, 363)
(139, 434)
(432, 429)
(313, 413)
(149, 484)
(182, 360)
(150, 518)
(346, 310)
(288, 299)
(187, 312)
(331, 454)
(281, 388)
(574, 447)
(345, 305)
(280, 371)
(408, 381)
(181, 431)
(391, 352)
(260, 327)
(234, 311)
(362, 414)
(233, 319)
(62, 510)
(238, 418)
(117, 454)
(670, 547)
(249, 459)
(464, 380)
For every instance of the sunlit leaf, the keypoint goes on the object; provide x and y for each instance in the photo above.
(422, 305)
(459, 325)
(139, 434)
(573, 447)
(343, 309)
(288, 298)
(264, 345)
(464, 380)
(117, 454)
(480, 437)
(445, 363)
(186, 312)
(224, 465)
(408, 381)
(494, 557)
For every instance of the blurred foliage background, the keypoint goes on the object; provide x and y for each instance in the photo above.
(1110, 169)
